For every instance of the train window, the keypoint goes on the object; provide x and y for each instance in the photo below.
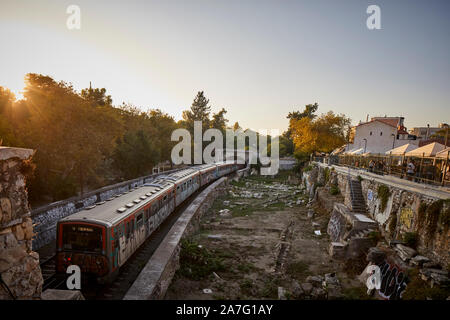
(165, 199)
(128, 229)
(82, 238)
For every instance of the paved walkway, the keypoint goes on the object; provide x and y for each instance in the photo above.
(411, 186)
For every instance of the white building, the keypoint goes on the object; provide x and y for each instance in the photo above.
(379, 135)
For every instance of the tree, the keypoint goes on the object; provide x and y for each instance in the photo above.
(136, 154)
(308, 112)
(323, 134)
(7, 100)
(70, 137)
(199, 111)
(97, 97)
(219, 121)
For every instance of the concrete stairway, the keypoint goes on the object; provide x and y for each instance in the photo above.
(358, 203)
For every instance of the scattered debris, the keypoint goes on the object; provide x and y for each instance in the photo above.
(207, 291)
(225, 213)
(419, 260)
(281, 293)
(317, 232)
(404, 252)
(215, 236)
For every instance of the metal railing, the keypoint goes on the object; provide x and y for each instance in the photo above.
(429, 170)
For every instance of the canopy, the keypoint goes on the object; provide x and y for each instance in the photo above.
(357, 151)
(338, 150)
(428, 150)
(401, 150)
(443, 153)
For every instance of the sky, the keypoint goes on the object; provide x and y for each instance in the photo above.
(257, 59)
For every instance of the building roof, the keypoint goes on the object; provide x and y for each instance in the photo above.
(389, 123)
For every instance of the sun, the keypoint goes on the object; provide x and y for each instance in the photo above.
(16, 86)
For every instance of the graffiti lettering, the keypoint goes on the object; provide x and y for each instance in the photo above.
(393, 281)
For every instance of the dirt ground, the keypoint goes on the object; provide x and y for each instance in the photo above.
(257, 238)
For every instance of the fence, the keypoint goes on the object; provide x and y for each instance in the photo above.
(430, 170)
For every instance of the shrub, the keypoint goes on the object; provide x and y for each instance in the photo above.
(334, 190)
(375, 236)
(307, 168)
(359, 178)
(432, 217)
(393, 224)
(410, 239)
(198, 262)
(418, 289)
(383, 194)
(326, 174)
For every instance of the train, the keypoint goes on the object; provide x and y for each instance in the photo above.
(102, 237)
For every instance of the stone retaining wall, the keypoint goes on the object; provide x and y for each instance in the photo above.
(404, 211)
(155, 278)
(46, 217)
(20, 273)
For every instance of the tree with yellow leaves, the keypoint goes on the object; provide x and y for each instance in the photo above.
(322, 134)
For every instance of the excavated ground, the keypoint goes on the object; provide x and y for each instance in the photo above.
(257, 242)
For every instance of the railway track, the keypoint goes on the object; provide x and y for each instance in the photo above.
(128, 272)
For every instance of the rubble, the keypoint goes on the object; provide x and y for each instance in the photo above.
(404, 252)
(419, 260)
(281, 293)
(225, 213)
(436, 276)
(376, 255)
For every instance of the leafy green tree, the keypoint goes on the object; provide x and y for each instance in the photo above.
(199, 111)
(219, 121)
(308, 112)
(97, 97)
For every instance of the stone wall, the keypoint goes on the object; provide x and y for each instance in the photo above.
(405, 207)
(155, 278)
(20, 273)
(46, 217)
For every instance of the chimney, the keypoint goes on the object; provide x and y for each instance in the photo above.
(428, 132)
(367, 118)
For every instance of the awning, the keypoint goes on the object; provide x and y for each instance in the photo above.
(399, 151)
(428, 150)
(443, 153)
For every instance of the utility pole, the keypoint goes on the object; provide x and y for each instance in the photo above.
(446, 134)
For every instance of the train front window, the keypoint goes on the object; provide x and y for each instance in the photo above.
(82, 238)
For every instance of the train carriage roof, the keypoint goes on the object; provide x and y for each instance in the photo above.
(120, 205)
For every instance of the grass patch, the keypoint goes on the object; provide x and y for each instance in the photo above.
(411, 239)
(242, 211)
(270, 289)
(246, 287)
(383, 194)
(334, 190)
(197, 263)
(298, 270)
(246, 267)
(418, 289)
(358, 293)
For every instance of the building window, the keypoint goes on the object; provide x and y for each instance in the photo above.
(381, 133)
(370, 132)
